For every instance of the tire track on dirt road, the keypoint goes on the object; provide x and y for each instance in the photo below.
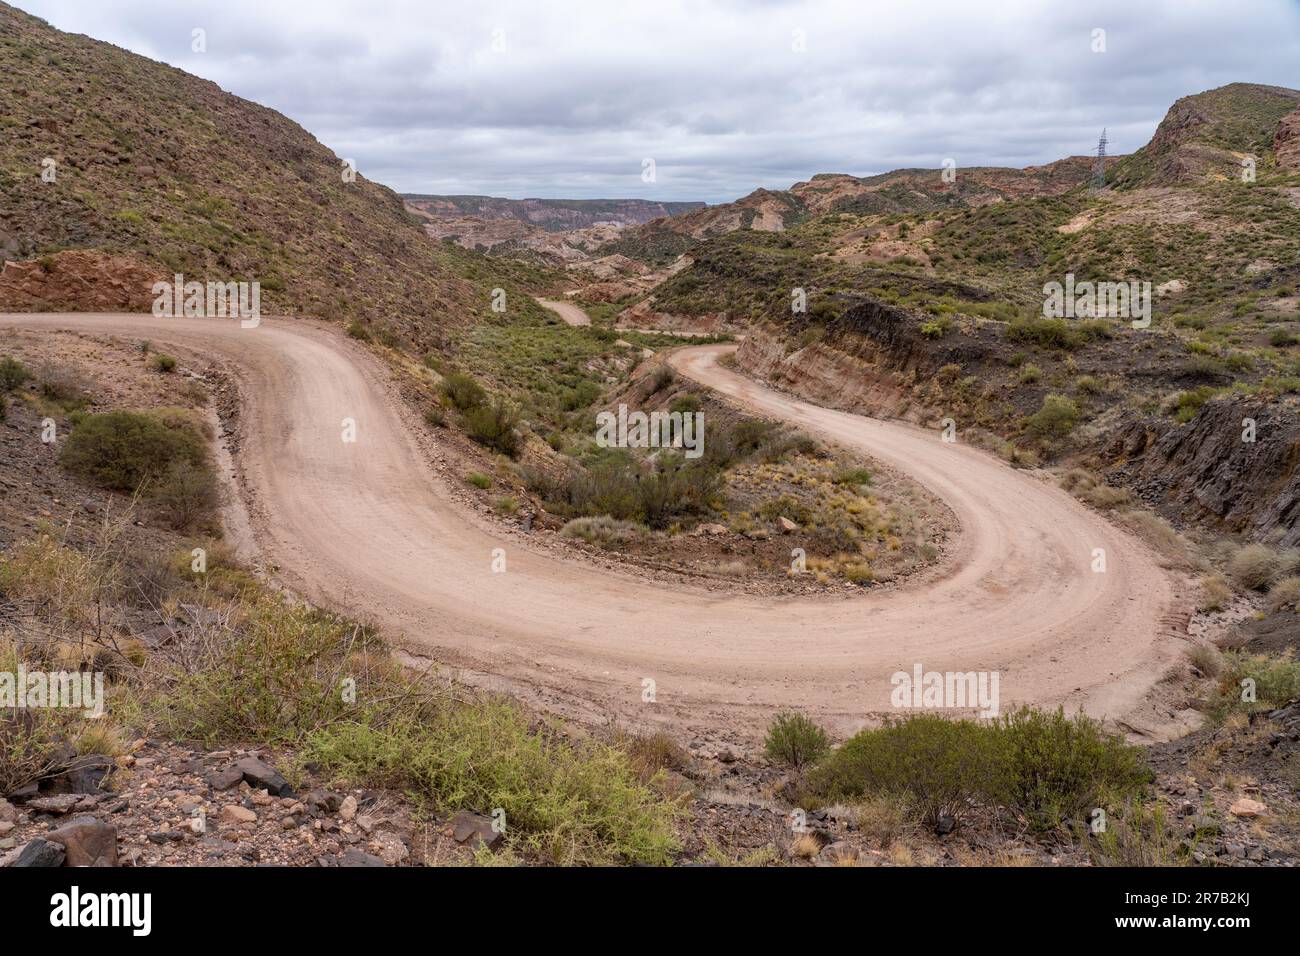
(371, 529)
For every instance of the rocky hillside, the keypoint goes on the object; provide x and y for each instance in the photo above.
(151, 163)
(959, 270)
(902, 191)
(553, 215)
(1205, 137)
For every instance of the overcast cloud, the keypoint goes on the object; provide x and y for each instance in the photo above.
(565, 99)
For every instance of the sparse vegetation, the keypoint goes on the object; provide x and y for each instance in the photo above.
(795, 741)
(1050, 768)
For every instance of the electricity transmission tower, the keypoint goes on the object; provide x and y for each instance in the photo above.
(1099, 167)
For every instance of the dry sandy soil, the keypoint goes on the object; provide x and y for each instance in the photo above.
(369, 528)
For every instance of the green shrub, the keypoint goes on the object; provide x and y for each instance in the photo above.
(1055, 419)
(570, 802)
(33, 741)
(358, 331)
(1029, 374)
(1047, 333)
(479, 480)
(63, 387)
(936, 328)
(187, 494)
(124, 450)
(795, 740)
(1050, 768)
(1059, 768)
(462, 391)
(1275, 679)
(13, 374)
(937, 765)
(164, 363)
(852, 476)
(494, 426)
(1138, 835)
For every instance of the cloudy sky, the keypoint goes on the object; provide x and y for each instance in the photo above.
(567, 99)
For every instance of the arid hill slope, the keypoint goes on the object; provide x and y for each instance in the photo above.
(1206, 136)
(553, 215)
(169, 169)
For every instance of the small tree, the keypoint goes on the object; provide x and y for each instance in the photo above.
(794, 740)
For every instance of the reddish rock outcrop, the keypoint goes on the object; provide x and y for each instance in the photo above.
(1286, 144)
(79, 281)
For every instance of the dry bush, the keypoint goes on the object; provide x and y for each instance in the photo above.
(1284, 594)
(1255, 567)
(1215, 593)
(1160, 534)
(1206, 659)
(883, 819)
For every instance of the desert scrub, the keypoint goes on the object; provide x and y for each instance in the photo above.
(1284, 595)
(1138, 834)
(122, 450)
(603, 531)
(270, 671)
(32, 740)
(1059, 768)
(568, 802)
(1029, 374)
(1050, 768)
(493, 425)
(462, 391)
(934, 764)
(852, 476)
(1250, 682)
(164, 363)
(479, 480)
(795, 741)
(275, 673)
(1054, 420)
(1255, 567)
(882, 820)
(161, 454)
(1215, 594)
(13, 374)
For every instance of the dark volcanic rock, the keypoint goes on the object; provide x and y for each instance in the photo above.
(1205, 469)
(41, 853)
(264, 777)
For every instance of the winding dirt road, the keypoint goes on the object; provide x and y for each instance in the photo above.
(569, 312)
(369, 527)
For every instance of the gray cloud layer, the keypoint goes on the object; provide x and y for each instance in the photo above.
(520, 98)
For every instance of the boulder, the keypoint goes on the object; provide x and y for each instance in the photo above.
(355, 857)
(225, 779)
(1247, 808)
(58, 804)
(475, 830)
(41, 853)
(234, 813)
(260, 776)
(87, 841)
(348, 808)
